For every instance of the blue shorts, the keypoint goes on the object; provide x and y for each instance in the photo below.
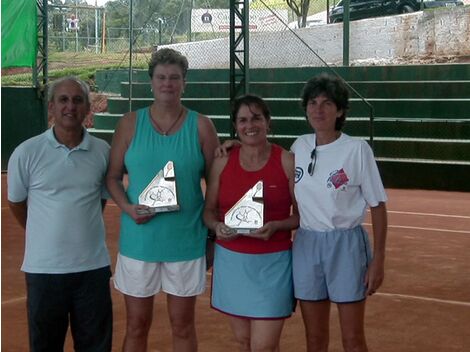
(254, 286)
(331, 265)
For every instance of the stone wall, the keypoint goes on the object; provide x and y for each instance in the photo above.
(442, 32)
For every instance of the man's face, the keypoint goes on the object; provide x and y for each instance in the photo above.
(69, 106)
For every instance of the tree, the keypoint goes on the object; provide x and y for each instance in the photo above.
(272, 4)
(174, 15)
(117, 18)
(211, 4)
(300, 8)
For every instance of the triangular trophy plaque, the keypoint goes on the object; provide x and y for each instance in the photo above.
(160, 194)
(247, 214)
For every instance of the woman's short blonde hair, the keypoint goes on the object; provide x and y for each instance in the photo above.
(167, 56)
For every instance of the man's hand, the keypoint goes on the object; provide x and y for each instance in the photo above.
(19, 211)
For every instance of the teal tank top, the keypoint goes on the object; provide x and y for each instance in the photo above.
(173, 236)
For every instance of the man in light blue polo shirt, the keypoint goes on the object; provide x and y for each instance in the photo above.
(56, 192)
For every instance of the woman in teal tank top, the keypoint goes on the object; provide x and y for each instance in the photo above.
(169, 245)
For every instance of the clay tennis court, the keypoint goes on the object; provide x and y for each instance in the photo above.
(424, 304)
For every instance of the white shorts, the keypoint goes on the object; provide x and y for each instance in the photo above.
(144, 279)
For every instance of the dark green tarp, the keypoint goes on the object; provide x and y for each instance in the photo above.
(19, 33)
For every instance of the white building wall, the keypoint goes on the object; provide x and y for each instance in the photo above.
(440, 33)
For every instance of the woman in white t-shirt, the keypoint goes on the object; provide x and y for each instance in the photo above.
(336, 180)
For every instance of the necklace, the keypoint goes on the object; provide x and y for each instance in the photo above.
(161, 130)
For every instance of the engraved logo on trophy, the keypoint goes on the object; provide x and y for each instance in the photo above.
(247, 214)
(160, 193)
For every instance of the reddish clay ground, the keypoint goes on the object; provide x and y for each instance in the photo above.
(423, 306)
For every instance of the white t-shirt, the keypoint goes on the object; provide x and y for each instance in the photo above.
(345, 181)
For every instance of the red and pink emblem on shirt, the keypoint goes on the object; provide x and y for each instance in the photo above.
(337, 179)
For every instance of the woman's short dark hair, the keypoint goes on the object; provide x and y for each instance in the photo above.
(168, 56)
(333, 88)
(250, 100)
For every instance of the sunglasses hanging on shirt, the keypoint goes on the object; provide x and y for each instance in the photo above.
(313, 159)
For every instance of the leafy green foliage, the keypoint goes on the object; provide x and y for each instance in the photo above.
(273, 4)
(171, 16)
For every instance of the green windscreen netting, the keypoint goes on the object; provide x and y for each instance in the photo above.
(19, 33)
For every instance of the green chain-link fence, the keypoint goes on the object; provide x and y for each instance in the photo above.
(423, 119)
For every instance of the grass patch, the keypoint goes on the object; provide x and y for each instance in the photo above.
(82, 64)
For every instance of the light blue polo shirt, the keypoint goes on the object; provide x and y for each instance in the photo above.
(63, 187)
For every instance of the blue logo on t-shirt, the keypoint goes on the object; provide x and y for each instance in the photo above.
(299, 173)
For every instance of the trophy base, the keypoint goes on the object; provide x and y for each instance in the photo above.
(163, 209)
(244, 231)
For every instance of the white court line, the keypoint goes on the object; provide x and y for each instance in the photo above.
(23, 298)
(421, 298)
(14, 300)
(388, 211)
(418, 298)
(399, 226)
(428, 214)
(423, 228)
